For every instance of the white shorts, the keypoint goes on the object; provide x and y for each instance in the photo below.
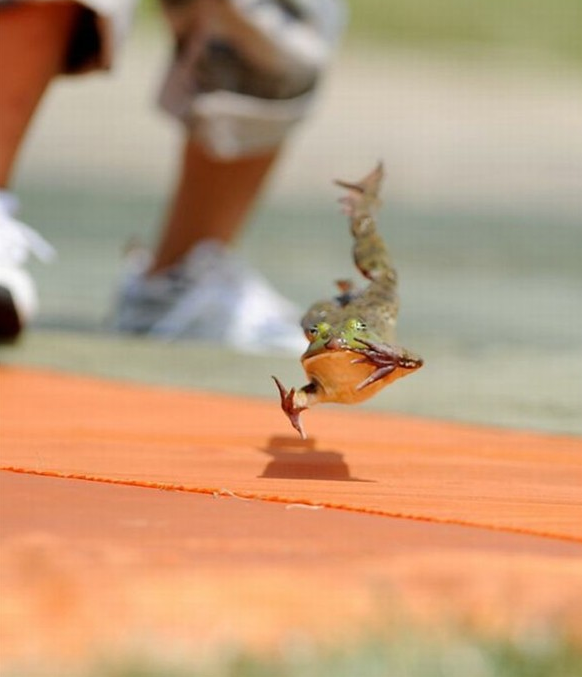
(243, 72)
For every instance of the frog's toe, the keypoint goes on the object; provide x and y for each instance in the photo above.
(288, 405)
(378, 354)
(376, 375)
(386, 359)
(382, 356)
(362, 196)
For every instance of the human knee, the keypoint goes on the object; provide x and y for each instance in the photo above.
(246, 72)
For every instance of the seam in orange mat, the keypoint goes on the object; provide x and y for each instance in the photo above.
(226, 493)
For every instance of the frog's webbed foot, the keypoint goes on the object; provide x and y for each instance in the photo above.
(290, 408)
(386, 359)
(362, 196)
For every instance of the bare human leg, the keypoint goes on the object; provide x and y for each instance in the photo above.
(209, 295)
(33, 39)
(212, 200)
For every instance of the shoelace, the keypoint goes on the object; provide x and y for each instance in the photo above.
(17, 240)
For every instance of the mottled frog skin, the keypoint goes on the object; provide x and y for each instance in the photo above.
(352, 352)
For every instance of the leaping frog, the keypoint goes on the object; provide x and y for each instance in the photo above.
(351, 353)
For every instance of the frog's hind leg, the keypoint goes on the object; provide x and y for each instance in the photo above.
(370, 252)
(371, 255)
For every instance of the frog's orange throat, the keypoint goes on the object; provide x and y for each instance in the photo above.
(337, 376)
(341, 376)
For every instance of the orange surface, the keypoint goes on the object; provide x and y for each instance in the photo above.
(492, 535)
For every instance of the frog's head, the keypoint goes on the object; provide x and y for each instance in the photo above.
(318, 335)
(343, 335)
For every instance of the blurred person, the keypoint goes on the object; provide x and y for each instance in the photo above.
(242, 74)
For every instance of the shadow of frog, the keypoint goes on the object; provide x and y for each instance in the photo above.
(296, 459)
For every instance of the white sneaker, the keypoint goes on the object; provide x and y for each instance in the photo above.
(142, 300)
(18, 297)
(211, 296)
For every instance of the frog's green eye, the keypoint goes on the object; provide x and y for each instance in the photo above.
(356, 325)
(323, 328)
(319, 330)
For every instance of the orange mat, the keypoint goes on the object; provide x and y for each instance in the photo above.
(493, 534)
(392, 465)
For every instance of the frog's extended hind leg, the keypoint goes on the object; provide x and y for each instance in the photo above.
(371, 255)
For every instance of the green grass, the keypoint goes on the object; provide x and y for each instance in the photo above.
(550, 28)
(460, 656)
(533, 25)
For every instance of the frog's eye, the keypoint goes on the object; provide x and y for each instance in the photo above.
(356, 325)
(318, 330)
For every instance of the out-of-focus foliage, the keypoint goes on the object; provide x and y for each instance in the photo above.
(461, 656)
(551, 28)
(536, 25)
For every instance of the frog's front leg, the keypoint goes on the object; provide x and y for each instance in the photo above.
(391, 362)
(293, 402)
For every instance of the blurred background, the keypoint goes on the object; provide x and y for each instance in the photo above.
(476, 111)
